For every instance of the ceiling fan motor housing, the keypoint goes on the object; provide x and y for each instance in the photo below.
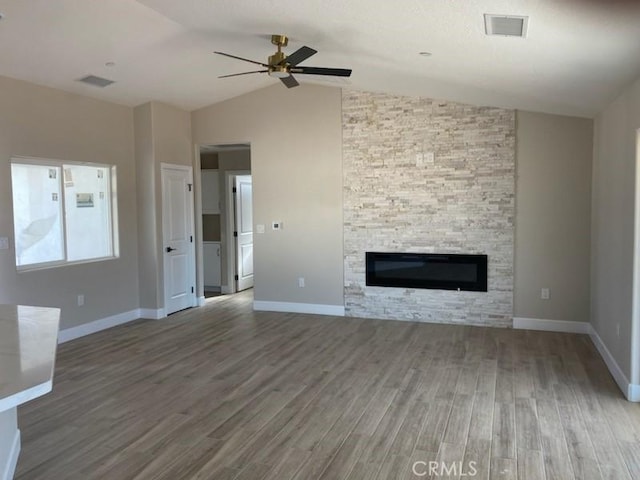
(277, 58)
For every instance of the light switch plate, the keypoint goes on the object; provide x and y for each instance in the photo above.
(260, 228)
(4, 243)
(276, 225)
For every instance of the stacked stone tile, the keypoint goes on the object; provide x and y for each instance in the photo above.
(400, 198)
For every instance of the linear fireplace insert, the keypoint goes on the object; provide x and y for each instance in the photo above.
(427, 270)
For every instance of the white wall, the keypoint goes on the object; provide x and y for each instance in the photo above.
(612, 232)
(553, 216)
(43, 122)
(296, 163)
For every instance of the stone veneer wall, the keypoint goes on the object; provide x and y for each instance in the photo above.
(430, 176)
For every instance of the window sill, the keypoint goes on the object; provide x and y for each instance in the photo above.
(48, 266)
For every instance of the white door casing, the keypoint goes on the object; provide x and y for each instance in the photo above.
(177, 233)
(244, 231)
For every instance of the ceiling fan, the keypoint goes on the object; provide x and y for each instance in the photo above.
(283, 66)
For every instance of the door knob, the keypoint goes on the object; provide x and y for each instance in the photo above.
(169, 249)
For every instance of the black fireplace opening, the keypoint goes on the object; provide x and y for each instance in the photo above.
(427, 270)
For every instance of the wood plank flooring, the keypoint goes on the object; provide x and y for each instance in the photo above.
(222, 392)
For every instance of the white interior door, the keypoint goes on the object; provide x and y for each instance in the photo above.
(244, 231)
(177, 232)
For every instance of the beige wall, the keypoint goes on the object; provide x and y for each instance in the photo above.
(162, 135)
(553, 208)
(295, 137)
(42, 122)
(614, 192)
(297, 168)
(209, 161)
(211, 227)
(149, 268)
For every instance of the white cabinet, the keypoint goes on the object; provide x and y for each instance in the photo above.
(211, 256)
(210, 192)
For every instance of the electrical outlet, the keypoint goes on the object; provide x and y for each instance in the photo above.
(544, 294)
(301, 282)
(80, 300)
(276, 225)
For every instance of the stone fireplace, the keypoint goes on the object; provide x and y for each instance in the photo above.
(426, 176)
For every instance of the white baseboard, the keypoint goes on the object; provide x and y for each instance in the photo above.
(12, 461)
(226, 290)
(113, 321)
(97, 325)
(201, 301)
(634, 393)
(151, 313)
(290, 307)
(565, 326)
(631, 391)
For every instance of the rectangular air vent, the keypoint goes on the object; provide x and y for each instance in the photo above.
(96, 81)
(506, 25)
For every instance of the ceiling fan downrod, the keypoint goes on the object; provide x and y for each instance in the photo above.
(277, 62)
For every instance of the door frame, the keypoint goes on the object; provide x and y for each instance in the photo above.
(191, 217)
(230, 247)
(633, 394)
(242, 280)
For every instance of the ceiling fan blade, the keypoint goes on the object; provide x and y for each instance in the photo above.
(336, 72)
(299, 56)
(289, 81)
(240, 58)
(243, 73)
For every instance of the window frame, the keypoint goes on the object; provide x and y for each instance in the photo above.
(113, 211)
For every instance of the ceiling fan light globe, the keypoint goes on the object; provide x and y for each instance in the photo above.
(279, 72)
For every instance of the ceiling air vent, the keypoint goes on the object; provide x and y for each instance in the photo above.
(506, 25)
(96, 81)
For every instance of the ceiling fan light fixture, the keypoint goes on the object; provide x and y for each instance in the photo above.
(278, 71)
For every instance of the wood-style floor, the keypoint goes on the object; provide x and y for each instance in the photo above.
(222, 392)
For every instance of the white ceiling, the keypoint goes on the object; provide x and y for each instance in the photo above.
(578, 55)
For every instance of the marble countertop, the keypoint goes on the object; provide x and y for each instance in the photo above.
(28, 342)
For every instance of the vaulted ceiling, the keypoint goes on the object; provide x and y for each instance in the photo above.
(577, 55)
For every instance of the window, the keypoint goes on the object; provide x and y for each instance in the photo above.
(62, 212)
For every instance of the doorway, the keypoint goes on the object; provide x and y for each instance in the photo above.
(220, 166)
